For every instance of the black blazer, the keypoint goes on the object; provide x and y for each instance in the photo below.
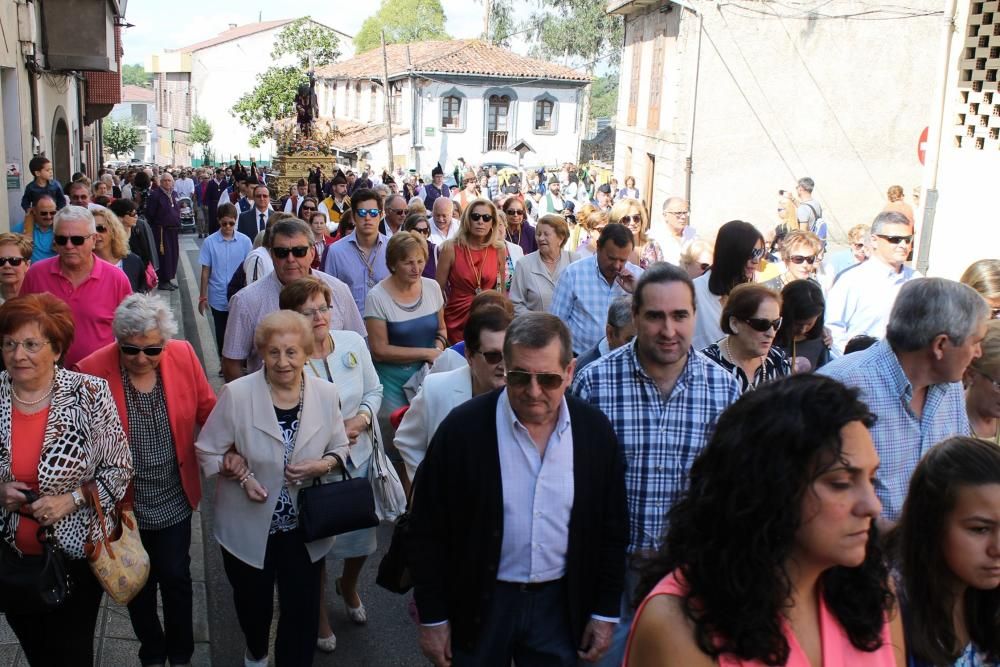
(457, 520)
(247, 222)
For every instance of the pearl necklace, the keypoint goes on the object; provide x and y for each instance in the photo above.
(36, 402)
(729, 354)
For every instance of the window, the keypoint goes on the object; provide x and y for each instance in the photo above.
(633, 86)
(656, 84)
(139, 115)
(357, 101)
(543, 115)
(372, 96)
(453, 112)
(498, 117)
(396, 101)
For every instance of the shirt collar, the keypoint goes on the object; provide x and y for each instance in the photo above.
(562, 421)
(887, 359)
(686, 373)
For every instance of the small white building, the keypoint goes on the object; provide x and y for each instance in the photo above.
(206, 79)
(138, 106)
(726, 103)
(453, 99)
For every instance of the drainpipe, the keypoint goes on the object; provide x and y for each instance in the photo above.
(935, 133)
(689, 161)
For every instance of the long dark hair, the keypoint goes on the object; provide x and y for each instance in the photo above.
(800, 300)
(733, 246)
(734, 528)
(916, 543)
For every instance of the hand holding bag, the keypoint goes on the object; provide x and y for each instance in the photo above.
(390, 498)
(335, 508)
(34, 584)
(119, 561)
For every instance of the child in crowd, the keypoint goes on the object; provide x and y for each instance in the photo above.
(41, 169)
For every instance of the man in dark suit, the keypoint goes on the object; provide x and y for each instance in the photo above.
(255, 220)
(211, 200)
(519, 524)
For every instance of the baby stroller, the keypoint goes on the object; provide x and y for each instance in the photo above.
(187, 215)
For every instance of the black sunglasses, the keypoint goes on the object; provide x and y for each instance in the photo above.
(762, 324)
(101, 229)
(133, 350)
(59, 239)
(298, 251)
(628, 219)
(423, 230)
(307, 208)
(491, 357)
(476, 217)
(756, 254)
(896, 240)
(545, 380)
(513, 211)
(13, 261)
(799, 259)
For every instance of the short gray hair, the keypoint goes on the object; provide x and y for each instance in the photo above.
(620, 312)
(139, 313)
(534, 331)
(928, 307)
(70, 213)
(807, 184)
(888, 218)
(670, 200)
(290, 227)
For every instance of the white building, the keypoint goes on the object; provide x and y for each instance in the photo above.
(59, 75)
(138, 107)
(727, 103)
(206, 79)
(452, 99)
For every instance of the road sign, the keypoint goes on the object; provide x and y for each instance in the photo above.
(922, 146)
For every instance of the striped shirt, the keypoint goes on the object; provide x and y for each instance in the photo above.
(660, 435)
(775, 365)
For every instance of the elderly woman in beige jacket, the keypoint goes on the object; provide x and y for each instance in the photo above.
(287, 429)
(536, 274)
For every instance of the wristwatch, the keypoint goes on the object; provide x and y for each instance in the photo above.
(78, 499)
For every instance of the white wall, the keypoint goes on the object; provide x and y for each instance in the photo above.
(123, 112)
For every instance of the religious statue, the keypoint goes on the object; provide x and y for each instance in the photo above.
(306, 105)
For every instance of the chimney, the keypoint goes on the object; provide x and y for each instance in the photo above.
(232, 26)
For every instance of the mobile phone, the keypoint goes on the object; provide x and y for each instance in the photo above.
(30, 495)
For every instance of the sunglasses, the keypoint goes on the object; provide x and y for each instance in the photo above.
(895, 240)
(46, 214)
(762, 324)
(685, 213)
(476, 217)
(227, 224)
(133, 350)
(756, 254)
(396, 211)
(799, 259)
(368, 212)
(423, 230)
(101, 229)
(13, 261)
(59, 239)
(307, 208)
(513, 211)
(629, 219)
(491, 357)
(545, 380)
(298, 251)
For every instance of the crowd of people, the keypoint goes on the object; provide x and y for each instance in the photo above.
(621, 443)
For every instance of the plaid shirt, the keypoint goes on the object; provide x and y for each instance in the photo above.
(900, 436)
(660, 435)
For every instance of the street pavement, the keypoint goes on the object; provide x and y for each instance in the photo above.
(389, 639)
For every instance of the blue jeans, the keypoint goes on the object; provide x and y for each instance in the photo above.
(529, 627)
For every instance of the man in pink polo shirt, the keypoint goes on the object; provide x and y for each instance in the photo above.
(91, 287)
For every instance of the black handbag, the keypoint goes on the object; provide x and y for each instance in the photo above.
(34, 584)
(336, 508)
(394, 570)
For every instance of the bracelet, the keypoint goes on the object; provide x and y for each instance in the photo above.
(202, 298)
(246, 478)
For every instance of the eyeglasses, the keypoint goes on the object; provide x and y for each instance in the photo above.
(133, 350)
(298, 251)
(46, 214)
(101, 229)
(858, 246)
(476, 217)
(545, 380)
(13, 261)
(423, 230)
(31, 346)
(996, 383)
(491, 357)
(761, 324)
(799, 259)
(896, 240)
(367, 212)
(59, 239)
(227, 224)
(307, 208)
(629, 219)
(313, 312)
(756, 254)
(513, 211)
(396, 211)
(684, 213)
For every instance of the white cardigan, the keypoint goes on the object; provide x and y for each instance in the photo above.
(245, 415)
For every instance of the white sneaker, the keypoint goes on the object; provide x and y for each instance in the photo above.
(327, 644)
(250, 662)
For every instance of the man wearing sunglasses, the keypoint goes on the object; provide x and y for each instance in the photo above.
(862, 296)
(91, 287)
(38, 226)
(292, 248)
(358, 259)
(679, 232)
(519, 512)
(395, 215)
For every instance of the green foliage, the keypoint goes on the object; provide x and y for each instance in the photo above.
(201, 131)
(135, 75)
(120, 137)
(604, 96)
(271, 99)
(502, 23)
(579, 29)
(312, 44)
(404, 22)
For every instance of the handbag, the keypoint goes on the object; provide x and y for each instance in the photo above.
(119, 561)
(390, 497)
(394, 569)
(34, 584)
(151, 278)
(336, 508)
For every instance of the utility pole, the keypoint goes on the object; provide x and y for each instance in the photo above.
(388, 113)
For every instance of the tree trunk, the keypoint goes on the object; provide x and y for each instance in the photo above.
(585, 113)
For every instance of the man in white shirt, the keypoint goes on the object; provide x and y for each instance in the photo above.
(184, 186)
(678, 232)
(861, 299)
(445, 226)
(395, 215)
(293, 203)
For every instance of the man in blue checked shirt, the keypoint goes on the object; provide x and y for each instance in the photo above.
(586, 287)
(911, 380)
(663, 400)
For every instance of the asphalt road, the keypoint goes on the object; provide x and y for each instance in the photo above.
(389, 639)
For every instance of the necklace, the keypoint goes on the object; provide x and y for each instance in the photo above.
(520, 230)
(413, 307)
(326, 365)
(369, 262)
(729, 353)
(35, 402)
(477, 270)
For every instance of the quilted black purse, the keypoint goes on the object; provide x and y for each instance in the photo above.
(336, 508)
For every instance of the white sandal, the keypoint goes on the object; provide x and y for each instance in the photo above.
(327, 644)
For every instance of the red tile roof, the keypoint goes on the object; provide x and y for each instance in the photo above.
(137, 94)
(457, 56)
(244, 31)
(354, 135)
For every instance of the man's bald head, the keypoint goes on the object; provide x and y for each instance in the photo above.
(441, 212)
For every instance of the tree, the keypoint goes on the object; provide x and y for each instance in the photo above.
(120, 137)
(135, 75)
(404, 22)
(312, 44)
(273, 98)
(604, 96)
(201, 133)
(502, 24)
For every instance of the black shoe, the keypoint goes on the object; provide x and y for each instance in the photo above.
(167, 287)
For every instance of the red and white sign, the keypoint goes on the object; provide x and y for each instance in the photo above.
(922, 146)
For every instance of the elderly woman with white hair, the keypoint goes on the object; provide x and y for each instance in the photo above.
(163, 397)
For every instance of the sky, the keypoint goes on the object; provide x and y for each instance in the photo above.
(169, 25)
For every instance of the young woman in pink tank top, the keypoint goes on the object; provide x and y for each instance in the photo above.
(772, 555)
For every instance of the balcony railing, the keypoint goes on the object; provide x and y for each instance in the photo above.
(496, 141)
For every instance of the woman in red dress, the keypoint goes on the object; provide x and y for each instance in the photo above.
(470, 263)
